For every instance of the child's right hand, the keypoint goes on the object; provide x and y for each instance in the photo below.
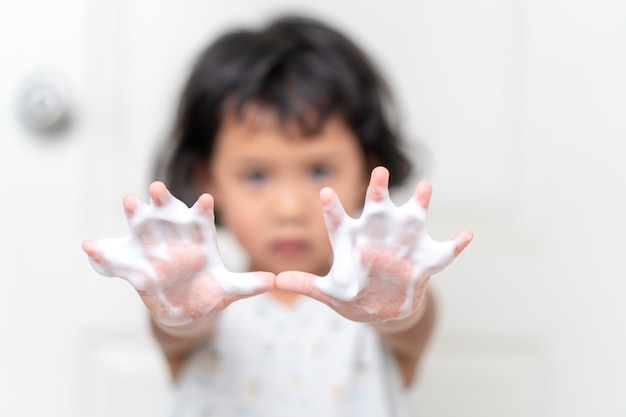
(172, 259)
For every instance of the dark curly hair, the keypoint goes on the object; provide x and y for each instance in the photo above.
(300, 68)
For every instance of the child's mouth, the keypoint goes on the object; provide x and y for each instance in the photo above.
(289, 248)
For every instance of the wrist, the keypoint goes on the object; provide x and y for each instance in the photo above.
(400, 325)
(195, 328)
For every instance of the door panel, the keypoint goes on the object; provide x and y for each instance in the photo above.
(485, 89)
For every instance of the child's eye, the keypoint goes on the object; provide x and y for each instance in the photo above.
(320, 172)
(255, 177)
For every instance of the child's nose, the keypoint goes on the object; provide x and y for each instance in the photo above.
(292, 204)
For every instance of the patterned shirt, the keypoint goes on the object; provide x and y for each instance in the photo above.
(268, 359)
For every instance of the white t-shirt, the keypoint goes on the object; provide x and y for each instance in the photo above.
(281, 361)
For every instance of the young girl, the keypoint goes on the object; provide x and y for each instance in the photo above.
(277, 134)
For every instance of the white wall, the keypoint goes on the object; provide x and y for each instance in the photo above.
(521, 108)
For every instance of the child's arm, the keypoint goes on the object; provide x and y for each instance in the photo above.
(407, 338)
(172, 259)
(382, 264)
(178, 342)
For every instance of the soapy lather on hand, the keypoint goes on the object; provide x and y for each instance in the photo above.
(382, 261)
(172, 259)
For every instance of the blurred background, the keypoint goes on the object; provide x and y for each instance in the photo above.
(517, 109)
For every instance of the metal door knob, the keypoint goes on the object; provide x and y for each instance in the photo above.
(43, 102)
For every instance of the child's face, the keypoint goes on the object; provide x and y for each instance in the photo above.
(266, 181)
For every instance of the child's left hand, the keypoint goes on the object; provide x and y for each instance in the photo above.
(382, 260)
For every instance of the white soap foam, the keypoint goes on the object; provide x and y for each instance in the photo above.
(382, 223)
(152, 229)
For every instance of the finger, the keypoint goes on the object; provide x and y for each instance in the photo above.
(301, 283)
(96, 258)
(423, 192)
(238, 285)
(265, 281)
(205, 230)
(407, 240)
(205, 205)
(377, 189)
(462, 240)
(333, 210)
(136, 212)
(159, 193)
(130, 203)
(246, 284)
(91, 249)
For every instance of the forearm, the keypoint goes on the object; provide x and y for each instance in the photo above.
(177, 342)
(407, 338)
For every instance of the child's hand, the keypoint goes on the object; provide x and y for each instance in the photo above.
(382, 261)
(172, 259)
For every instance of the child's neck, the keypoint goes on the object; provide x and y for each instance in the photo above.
(283, 297)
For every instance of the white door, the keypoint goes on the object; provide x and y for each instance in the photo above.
(72, 344)
(487, 87)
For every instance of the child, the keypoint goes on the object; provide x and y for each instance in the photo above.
(277, 133)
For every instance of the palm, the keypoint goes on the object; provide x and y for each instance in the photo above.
(171, 258)
(382, 261)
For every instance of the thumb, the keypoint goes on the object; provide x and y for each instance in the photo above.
(302, 283)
